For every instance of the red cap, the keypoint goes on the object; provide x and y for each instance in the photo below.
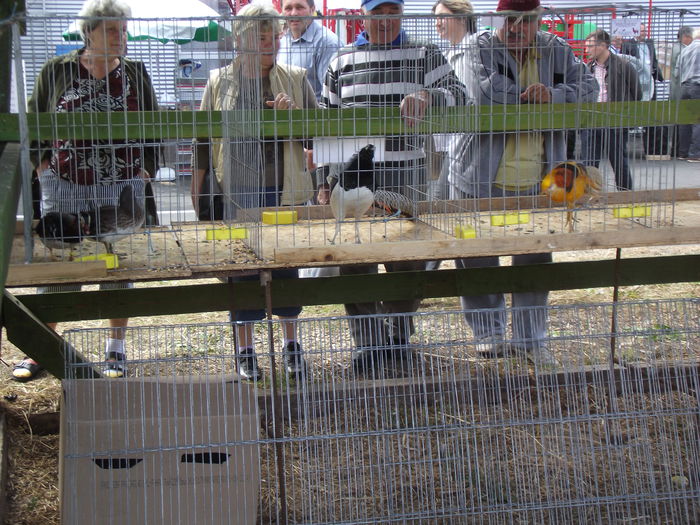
(518, 5)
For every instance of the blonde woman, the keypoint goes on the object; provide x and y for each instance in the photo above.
(253, 171)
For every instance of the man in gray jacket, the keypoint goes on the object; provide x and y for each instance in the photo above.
(519, 65)
(618, 81)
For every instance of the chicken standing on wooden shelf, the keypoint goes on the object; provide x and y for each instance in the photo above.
(60, 231)
(353, 193)
(571, 183)
(107, 224)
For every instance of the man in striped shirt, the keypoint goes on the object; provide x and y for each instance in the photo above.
(385, 68)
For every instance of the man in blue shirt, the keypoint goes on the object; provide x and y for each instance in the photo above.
(307, 43)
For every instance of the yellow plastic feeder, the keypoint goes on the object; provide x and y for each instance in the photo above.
(110, 259)
(627, 212)
(280, 217)
(465, 232)
(509, 219)
(226, 233)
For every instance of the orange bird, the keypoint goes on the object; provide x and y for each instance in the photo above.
(571, 183)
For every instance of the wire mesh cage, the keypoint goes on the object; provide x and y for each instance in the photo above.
(438, 170)
(606, 431)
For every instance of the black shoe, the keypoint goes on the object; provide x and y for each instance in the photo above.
(248, 366)
(401, 356)
(294, 362)
(26, 370)
(368, 360)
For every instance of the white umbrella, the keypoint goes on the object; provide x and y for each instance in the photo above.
(178, 21)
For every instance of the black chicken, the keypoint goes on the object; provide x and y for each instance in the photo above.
(107, 224)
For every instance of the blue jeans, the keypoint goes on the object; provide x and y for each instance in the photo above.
(486, 313)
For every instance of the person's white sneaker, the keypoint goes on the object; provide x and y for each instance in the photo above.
(491, 347)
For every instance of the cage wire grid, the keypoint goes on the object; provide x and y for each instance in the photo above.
(449, 437)
(443, 202)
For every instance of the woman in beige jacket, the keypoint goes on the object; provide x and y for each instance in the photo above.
(250, 170)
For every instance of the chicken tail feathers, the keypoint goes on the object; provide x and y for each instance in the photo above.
(394, 203)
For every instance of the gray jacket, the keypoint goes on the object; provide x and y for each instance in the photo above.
(568, 79)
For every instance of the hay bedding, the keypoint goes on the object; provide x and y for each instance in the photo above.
(440, 470)
(478, 468)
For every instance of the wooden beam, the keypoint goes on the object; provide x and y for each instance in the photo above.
(349, 122)
(38, 341)
(9, 189)
(56, 271)
(452, 249)
(171, 300)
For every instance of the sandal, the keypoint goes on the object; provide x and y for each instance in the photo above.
(115, 366)
(26, 370)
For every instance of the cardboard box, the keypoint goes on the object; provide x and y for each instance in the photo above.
(159, 450)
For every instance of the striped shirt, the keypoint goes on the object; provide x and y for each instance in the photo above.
(371, 76)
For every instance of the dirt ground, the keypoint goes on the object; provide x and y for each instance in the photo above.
(33, 459)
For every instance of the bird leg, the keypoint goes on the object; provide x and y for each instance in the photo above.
(151, 248)
(571, 220)
(337, 231)
(357, 232)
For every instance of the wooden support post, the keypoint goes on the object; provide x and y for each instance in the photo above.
(38, 341)
(9, 189)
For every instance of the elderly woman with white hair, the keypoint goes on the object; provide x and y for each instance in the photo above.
(252, 171)
(79, 175)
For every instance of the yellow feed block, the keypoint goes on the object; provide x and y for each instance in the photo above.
(508, 219)
(465, 232)
(226, 234)
(626, 212)
(280, 217)
(110, 259)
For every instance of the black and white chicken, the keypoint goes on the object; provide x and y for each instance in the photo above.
(353, 193)
(107, 224)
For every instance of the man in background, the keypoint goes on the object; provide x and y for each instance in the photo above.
(618, 82)
(307, 43)
(689, 72)
(643, 47)
(685, 37)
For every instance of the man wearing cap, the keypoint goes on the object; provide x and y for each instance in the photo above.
(519, 65)
(307, 43)
(385, 68)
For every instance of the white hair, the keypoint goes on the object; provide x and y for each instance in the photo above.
(94, 10)
(264, 17)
